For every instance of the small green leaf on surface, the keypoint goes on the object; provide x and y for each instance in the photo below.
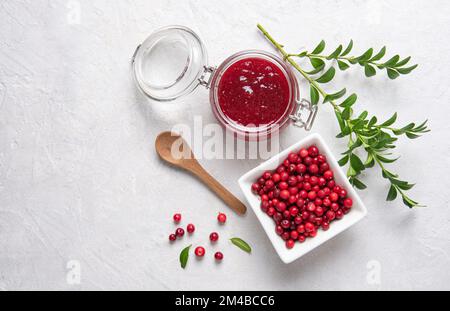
(356, 163)
(184, 257)
(241, 244)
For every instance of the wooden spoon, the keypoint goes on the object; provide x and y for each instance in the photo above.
(173, 149)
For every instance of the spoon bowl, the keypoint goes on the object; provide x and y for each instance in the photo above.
(173, 149)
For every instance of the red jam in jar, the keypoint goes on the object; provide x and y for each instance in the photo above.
(254, 92)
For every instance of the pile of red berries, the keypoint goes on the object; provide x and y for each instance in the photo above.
(302, 196)
(199, 251)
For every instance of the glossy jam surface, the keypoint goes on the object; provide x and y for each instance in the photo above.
(254, 92)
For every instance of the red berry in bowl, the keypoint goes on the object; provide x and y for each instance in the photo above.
(177, 218)
(290, 244)
(190, 228)
(222, 218)
(214, 237)
(328, 175)
(200, 251)
(348, 203)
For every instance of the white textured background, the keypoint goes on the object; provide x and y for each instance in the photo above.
(79, 178)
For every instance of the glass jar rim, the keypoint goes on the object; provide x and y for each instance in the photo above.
(191, 64)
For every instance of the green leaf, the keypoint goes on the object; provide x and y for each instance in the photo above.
(405, 71)
(392, 62)
(412, 136)
(348, 49)
(380, 55)
(314, 95)
(316, 70)
(340, 121)
(335, 96)
(392, 195)
(350, 101)
(327, 76)
(336, 53)
(392, 73)
(386, 160)
(410, 203)
(320, 48)
(363, 115)
(343, 65)
(370, 162)
(366, 56)
(184, 257)
(356, 163)
(358, 184)
(347, 113)
(372, 122)
(390, 121)
(241, 244)
(370, 70)
(403, 62)
(344, 160)
(317, 63)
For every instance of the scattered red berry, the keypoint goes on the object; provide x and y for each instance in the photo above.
(302, 196)
(172, 238)
(214, 237)
(177, 218)
(218, 256)
(180, 232)
(222, 218)
(200, 251)
(190, 228)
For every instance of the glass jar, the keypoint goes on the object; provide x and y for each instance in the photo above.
(172, 62)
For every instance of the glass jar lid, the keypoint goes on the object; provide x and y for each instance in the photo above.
(170, 63)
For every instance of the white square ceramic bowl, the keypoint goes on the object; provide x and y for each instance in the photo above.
(358, 212)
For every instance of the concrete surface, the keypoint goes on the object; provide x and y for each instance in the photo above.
(86, 204)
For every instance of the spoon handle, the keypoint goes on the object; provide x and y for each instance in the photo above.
(234, 203)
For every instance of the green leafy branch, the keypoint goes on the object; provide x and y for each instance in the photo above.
(364, 133)
(394, 66)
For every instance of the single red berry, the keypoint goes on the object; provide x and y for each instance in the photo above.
(190, 228)
(309, 227)
(177, 218)
(222, 218)
(276, 178)
(334, 197)
(325, 226)
(303, 153)
(313, 151)
(290, 244)
(294, 235)
(256, 188)
(283, 186)
(214, 237)
(180, 232)
(312, 195)
(301, 238)
(200, 251)
(267, 175)
(348, 203)
(218, 256)
(339, 214)
(314, 169)
(328, 175)
(285, 194)
(293, 158)
(279, 230)
(286, 224)
(172, 238)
